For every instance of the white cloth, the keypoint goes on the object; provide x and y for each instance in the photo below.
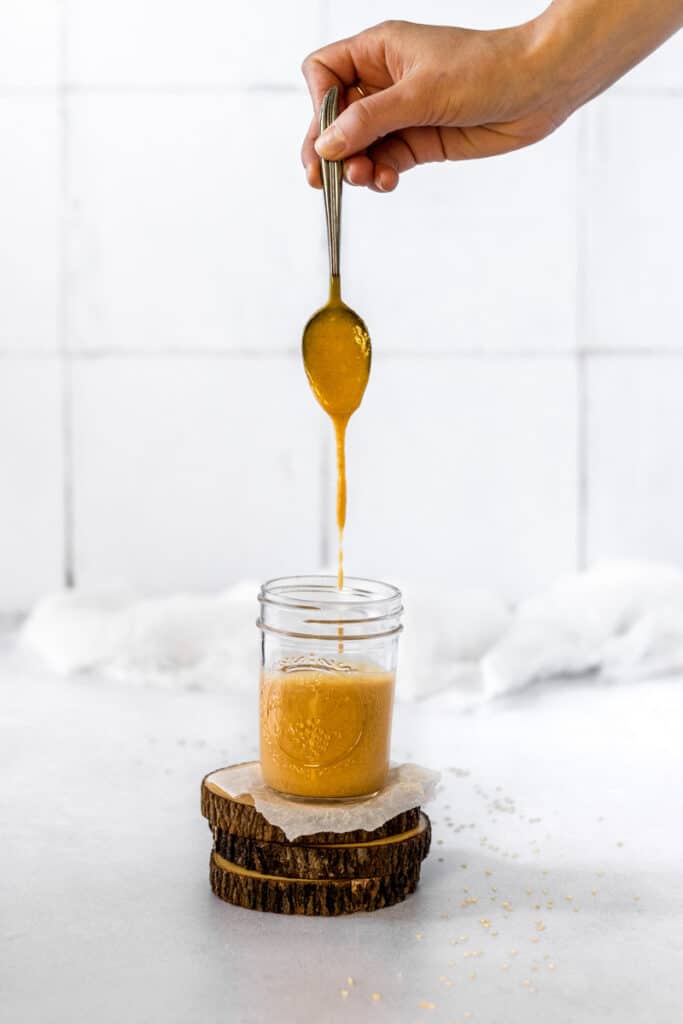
(191, 641)
(617, 620)
(620, 620)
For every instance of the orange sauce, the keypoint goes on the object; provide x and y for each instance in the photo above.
(326, 734)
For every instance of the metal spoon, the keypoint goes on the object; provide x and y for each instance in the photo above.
(336, 344)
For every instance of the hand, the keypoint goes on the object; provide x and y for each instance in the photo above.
(410, 94)
(426, 93)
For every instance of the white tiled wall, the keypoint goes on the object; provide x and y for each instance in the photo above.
(479, 256)
(30, 37)
(634, 464)
(190, 471)
(634, 213)
(30, 212)
(463, 471)
(184, 231)
(161, 44)
(31, 481)
(160, 253)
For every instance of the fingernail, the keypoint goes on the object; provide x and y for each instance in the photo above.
(330, 145)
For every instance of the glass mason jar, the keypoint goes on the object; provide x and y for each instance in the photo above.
(328, 666)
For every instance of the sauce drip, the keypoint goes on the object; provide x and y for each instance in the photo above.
(337, 355)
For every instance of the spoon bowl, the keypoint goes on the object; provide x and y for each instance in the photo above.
(337, 355)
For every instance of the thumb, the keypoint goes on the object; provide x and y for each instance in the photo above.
(367, 120)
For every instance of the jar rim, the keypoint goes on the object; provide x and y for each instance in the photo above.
(357, 590)
(305, 607)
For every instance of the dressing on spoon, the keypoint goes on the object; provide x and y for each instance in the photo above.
(336, 344)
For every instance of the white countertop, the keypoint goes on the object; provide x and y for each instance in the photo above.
(570, 794)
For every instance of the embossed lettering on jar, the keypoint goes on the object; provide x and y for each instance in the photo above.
(328, 666)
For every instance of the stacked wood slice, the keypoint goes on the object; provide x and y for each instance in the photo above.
(254, 865)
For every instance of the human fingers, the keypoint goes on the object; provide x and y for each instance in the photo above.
(309, 157)
(367, 120)
(411, 147)
(331, 65)
(358, 170)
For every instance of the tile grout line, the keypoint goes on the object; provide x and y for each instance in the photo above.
(62, 316)
(171, 88)
(77, 354)
(582, 323)
(140, 89)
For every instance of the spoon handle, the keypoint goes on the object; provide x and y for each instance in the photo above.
(331, 172)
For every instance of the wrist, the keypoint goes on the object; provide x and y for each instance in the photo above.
(582, 46)
(556, 80)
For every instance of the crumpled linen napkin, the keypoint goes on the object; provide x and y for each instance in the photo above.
(619, 620)
(191, 641)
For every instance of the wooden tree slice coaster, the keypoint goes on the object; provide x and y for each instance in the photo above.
(239, 817)
(396, 854)
(253, 864)
(325, 898)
